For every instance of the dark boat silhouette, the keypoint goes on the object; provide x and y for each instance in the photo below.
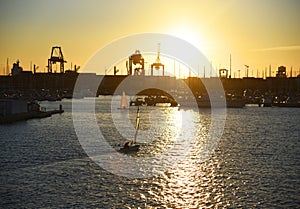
(131, 146)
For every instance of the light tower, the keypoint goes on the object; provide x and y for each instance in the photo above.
(247, 70)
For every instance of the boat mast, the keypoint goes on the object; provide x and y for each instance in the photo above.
(137, 125)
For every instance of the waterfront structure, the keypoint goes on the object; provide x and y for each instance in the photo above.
(10, 107)
(57, 85)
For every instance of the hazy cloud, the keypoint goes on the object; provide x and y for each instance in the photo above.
(280, 48)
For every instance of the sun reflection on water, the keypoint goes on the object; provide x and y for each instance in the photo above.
(190, 183)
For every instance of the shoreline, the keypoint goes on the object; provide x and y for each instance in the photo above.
(7, 119)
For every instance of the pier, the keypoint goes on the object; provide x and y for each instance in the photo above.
(18, 110)
(27, 116)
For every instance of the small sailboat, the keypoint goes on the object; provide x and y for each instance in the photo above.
(131, 146)
(124, 104)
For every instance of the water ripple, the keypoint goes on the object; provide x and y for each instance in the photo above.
(256, 164)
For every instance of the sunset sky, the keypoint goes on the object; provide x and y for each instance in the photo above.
(257, 33)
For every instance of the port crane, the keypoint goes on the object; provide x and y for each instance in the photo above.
(136, 59)
(56, 56)
(158, 65)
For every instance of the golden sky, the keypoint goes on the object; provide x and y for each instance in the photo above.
(257, 33)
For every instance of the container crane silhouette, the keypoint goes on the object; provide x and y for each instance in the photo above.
(56, 56)
(157, 65)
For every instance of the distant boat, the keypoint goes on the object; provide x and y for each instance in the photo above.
(161, 101)
(139, 101)
(131, 146)
(266, 102)
(288, 102)
(219, 102)
(124, 104)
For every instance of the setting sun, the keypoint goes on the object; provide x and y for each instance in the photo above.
(188, 35)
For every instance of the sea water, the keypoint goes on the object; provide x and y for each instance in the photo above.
(256, 163)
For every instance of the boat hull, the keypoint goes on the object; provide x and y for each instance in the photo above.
(296, 105)
(131, 148)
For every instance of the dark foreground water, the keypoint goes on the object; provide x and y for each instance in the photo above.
(256, 163)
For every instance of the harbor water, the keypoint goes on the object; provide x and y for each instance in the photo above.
(256, 163)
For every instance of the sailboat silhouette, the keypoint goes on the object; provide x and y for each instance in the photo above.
(131, 146)
(124, 104)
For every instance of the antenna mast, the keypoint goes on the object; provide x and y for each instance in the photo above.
(230, 67)
(7, 67)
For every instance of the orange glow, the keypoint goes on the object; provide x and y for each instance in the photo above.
(255, 33)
